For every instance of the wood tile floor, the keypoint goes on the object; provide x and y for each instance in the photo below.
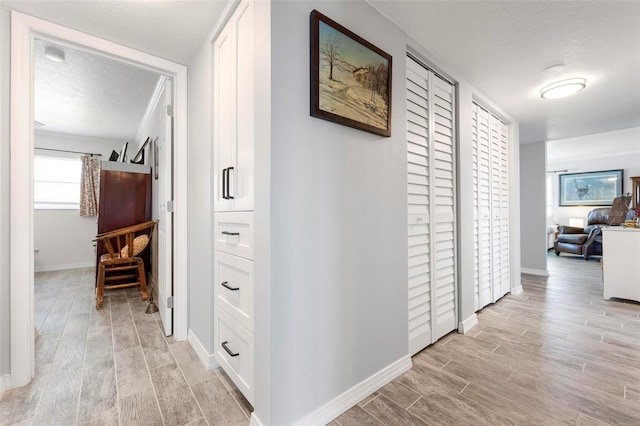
(555, 354)
(113, 366)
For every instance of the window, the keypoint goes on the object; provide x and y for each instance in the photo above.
(549, 191)
(56, 182)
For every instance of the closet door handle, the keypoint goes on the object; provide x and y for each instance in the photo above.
(225, 284)
(229, 233)
(226, 348)
(229, 197)
(224, 183)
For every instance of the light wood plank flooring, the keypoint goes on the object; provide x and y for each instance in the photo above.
(555, 354)
(113, 366)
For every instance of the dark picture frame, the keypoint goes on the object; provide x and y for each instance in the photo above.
(139, 157)
(350, 78)
(590, 188)
(123, 153)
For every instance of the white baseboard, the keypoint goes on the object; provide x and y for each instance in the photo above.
(468, 324)
(207, 359)
(532, 271)
(351, 397)
(47, 268)
(516, 290)
(255, 421)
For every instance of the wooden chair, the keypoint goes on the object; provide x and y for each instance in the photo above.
(121, 267)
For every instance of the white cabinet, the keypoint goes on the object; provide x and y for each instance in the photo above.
(233, 277)
(233, 112)
(621, 263)
(491, 207)
(233, 233)
(234, 351)
(431, 166)
(234, 89)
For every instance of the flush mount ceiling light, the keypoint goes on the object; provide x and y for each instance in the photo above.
(54, 54)
(563, 88)
(554, 69)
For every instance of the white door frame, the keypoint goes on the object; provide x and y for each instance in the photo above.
(24, 29)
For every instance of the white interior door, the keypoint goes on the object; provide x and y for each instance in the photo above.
(482, 213)
(505, 283)
(496, 204)
(491, 203)
(420, 324)
(431, 207)
(482, 206)
(164, 172)
(443, 182)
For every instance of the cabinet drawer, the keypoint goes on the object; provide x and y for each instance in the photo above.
(233, 287)
(234, 233)
(237, 359)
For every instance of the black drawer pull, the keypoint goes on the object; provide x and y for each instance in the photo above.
(229, 197)
(229, 233)
(224, 183)
(225, 284)
(226, 348)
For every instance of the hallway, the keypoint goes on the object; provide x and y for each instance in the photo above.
(555, 354)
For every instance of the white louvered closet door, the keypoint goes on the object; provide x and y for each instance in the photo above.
(505, 285)
(476, 216)
(491, 201)
(482, 215)
(496, 205)
(431, 207)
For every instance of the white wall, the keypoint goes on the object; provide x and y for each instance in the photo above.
(603, 151)
(533, 245)
(337, 293)
(200, 199)
(62, 240)
(339, 224)
(331, 288)
(63, 237)
(5, 96)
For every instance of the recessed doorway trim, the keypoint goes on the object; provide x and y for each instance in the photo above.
(24, 29)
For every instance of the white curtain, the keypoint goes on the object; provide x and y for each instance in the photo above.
(89, 186)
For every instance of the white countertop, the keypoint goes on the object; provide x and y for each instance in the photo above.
(620, 228)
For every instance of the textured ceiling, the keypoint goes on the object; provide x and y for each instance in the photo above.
(623, 142)
(503, 47)
(90, 95)
(172, 30)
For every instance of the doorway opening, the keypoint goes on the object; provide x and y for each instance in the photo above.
(25, 31)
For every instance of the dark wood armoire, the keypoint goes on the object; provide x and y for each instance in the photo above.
(125, 199)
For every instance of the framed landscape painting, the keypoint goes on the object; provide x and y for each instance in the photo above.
(590, 188)
(350, 78)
